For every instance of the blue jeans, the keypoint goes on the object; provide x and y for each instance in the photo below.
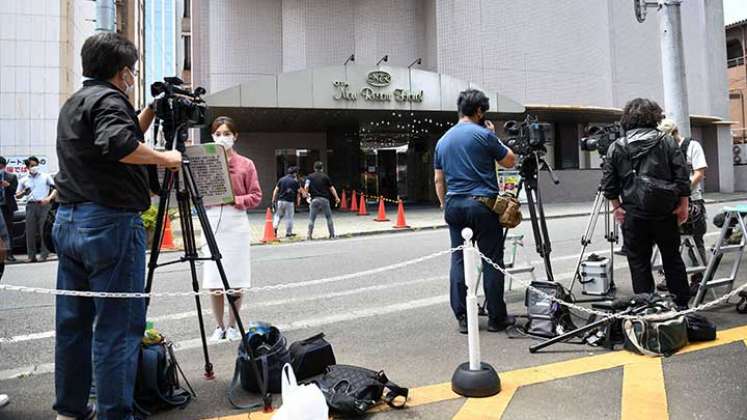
(103, 250)
(462, 212)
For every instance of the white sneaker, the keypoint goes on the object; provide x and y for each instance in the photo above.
(4, 400)
(218, 335)
(233, 334)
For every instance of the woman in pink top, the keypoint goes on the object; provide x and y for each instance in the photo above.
(230, 224)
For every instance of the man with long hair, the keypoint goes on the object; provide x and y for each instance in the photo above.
(646, 180)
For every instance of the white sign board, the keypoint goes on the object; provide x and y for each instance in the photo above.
(210, 170)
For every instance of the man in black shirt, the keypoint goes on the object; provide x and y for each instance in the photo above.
(286, 195)
(321, 190)
(98, 233)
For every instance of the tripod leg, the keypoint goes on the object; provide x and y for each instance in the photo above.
(155, 249)
(190, 252)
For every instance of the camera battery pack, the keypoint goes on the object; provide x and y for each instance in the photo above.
(595, 275)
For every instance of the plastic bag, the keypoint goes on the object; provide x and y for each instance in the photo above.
(300, 402)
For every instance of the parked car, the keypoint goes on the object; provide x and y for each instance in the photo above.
(19, 229)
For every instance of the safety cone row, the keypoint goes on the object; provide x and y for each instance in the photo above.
(343, 201)
(269, 235)
(381, 217)
(362, 211)
(401, 223)
(354, 203)
(168, 237)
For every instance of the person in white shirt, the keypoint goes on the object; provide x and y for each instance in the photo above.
(39, 187)
(696, 163)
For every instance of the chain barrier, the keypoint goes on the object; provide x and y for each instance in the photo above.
(570, 305)
(483, 257)
(220, 292)
(377, 198)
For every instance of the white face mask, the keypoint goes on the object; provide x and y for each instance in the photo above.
(33, 170)
(225, 141)
(130, 87)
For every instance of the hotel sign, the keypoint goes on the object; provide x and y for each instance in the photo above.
(376, 80)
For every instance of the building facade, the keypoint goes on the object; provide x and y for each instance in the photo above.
(40, 68)
(736, 42)
(571, 63)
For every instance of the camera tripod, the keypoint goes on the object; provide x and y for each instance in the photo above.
(601, 207)
(529, 171)
(188, 197)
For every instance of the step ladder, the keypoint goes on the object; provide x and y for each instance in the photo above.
(687, 248)
(732, 215)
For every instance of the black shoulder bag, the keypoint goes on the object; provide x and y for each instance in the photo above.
(352, 390)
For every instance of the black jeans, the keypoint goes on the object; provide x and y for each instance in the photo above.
(699, 231)
(462, 212)
(639, 236)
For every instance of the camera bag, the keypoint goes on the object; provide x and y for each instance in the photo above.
(547, 318)
(699, 328)
(270, 355)
(157, 385)
(311, 357)
(352, 390)
(662, 335)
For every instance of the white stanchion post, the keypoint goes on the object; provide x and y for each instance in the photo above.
(470, 279)
(474, 378)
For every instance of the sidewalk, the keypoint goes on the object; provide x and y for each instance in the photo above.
(419, 217)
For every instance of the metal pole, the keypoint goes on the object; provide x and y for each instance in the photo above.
(470, 279)
(105, 15)
(673, 65)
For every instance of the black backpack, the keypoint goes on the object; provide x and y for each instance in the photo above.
(352, 390)
(652, 195)
(157, 386)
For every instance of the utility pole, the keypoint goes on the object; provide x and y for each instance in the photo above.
(672, 59)
(105, 15)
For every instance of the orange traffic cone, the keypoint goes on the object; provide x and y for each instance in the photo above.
(354, 203)
(401, 223)
(382, 211)
(343, 201)
(269, 235)
(168, 238)
(362, 211)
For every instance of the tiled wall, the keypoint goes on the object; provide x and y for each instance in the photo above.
(38, 70)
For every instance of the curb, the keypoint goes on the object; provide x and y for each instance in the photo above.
(444, 225)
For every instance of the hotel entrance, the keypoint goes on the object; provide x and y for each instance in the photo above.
(374, 129)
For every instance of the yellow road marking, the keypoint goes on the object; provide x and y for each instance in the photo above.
(643, 393)
(512, 380)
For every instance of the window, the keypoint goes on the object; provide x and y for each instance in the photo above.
(187, 52)
(734, 53)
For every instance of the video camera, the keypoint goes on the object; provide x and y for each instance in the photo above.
(527, 136)
(600, 138)
(178, 108)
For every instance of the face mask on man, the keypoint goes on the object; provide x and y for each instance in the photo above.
(130, 87)
(225, 141)
(33, 170)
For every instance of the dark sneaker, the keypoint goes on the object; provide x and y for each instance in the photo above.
(662, 286)
(290, 235)
(11, 258)
(462, 320)
(495, 325)
(33, 260)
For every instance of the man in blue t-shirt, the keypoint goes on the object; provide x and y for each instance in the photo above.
(286, 195)
(464, 165)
